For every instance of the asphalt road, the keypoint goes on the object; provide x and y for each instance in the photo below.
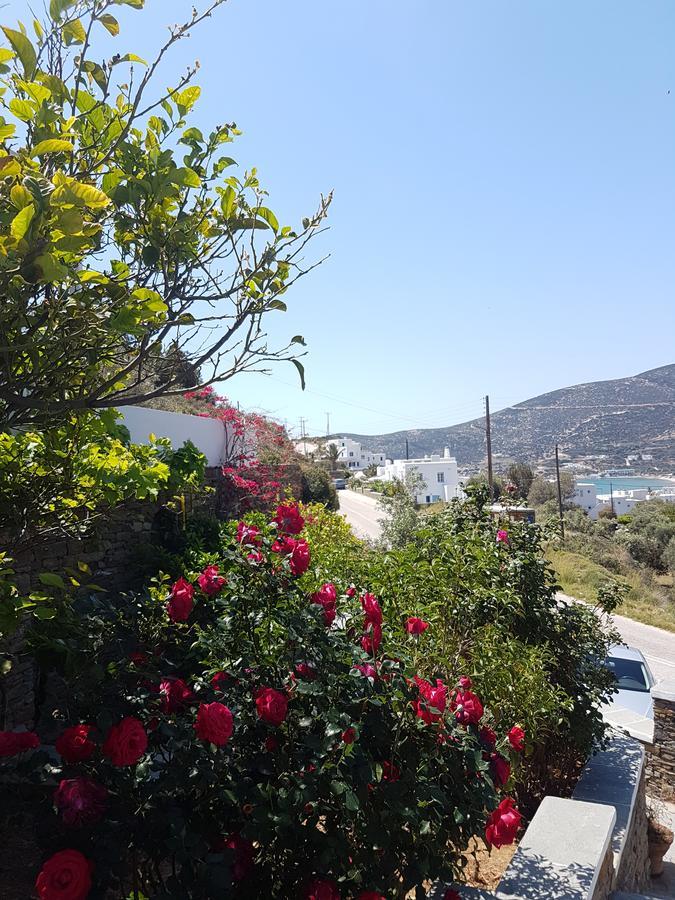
(657, 645)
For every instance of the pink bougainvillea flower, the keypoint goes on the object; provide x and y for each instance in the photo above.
(248, 534)
(65, 876)
(288, 519)
(502, 537)
(321, 889)
(433, 698)
(371, 609)
(517, 738)
(181, 601)
(126, 742)
(14, 742)
(74, 744)
(416, 626)
(467, 708)
(174, 694)
(215, 723)
(500, 769)
(272, 706)
(306, 671)
(210, 581)
(488, 737)
(370, 642)
(503, 824)
(80, 801)
(366, 670)
(255, 557)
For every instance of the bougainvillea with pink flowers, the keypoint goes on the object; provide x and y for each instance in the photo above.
(231, 733)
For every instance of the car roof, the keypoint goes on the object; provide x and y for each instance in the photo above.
(618, 651)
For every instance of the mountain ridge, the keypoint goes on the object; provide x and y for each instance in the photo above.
(593, 421)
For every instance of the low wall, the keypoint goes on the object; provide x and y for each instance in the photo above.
(661, 753)
(207, 434)
(587, 847)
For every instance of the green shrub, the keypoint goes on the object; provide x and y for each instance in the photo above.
(318, 487)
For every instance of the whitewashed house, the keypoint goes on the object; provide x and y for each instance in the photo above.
(441, 481)
(354, 456)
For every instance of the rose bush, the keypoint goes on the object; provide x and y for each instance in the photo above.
(252, 745)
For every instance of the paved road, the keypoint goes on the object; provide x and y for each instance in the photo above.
(657, 645)
(362, 513)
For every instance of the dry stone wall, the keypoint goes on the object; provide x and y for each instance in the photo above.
(661, 754)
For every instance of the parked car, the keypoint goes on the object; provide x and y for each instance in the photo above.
(634, 680)
(340, 484)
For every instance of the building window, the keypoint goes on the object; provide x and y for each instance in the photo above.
(440, 477)
(351, 453)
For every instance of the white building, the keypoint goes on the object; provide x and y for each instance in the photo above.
(354, 456)
(441, 481)
(586, 496)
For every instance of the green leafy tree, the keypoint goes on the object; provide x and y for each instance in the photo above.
(521, 475)
(668, 556)
(401, 518)
(127, 234)
(333, 456)
(543, 490)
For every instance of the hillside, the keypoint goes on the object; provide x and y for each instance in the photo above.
(601, 421)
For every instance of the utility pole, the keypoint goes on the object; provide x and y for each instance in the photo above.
(407, 454)
(327, 424)
(560, 509)
(302, 434)
(611, 498)
(488, 441)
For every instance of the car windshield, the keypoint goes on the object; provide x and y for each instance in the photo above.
(629, 673)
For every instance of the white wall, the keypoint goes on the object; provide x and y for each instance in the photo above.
(208, 435)
(429, 468)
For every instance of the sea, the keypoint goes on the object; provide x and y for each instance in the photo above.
(627, 483)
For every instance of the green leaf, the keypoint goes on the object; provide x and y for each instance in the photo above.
(24, 49)
(150, 255)
(96, 72)
(137, 4)
(111, 23)
(57, 7)
(6, 131)
(50, 268)
(186, 177)
(277, 304)
(53, 145)
(6, 55)
(51, 579)
(129, 57)
(351, 801)
(35, 91)
(298, 339)
(21, 222)
(268, 216)
(74, 33)
(22, 109)
(89, 195)
(301, 371)
(228, 201)
(186, 99)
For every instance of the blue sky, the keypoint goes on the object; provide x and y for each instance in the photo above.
(504, 177)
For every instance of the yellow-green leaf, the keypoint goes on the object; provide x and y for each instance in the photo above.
(91, 275)
(6, 131)
(50, 268)
(24, 49)
(53, 145)
(6, 54)
(20, 196)
(22, 109)
(74, 33)
(35, 91)
(268, 216)
(187, 177)
(228, 201)
(89, 195)
(21, 222)
(129, 57)
(188, 97)
(111, 23)
(70, 221)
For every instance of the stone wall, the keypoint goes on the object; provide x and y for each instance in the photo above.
(661, 753)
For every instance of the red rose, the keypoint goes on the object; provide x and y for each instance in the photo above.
(467, 708)
(138, 658)
(349, 736)
(243, 854)
(210, 581)
(390, 771)
(370, 895)
(372, 610)
(351, 591)
(65, 876)
(326, 597)
(502, 537)
(320, 889)
(289, 520)
(487, 736)
(255, 557)
(74, 745)
(272, 706)
(465, 683)
(503, 824)
(215, 723)
(80, 801)
(174, 694)
(517, 738)
(415, 625)
(219, 680)
(14, 742)
(371, 642)
(297, 552)
(126, 742)
(271, 744)
(366, 670)
(500, 769)
(452, 894)
(180, 602)
(433, 698)
(306, 671)
(248, 534)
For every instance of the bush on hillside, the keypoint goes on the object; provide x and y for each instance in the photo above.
(318, 487)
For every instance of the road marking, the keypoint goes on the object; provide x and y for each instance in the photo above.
(664, 662)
